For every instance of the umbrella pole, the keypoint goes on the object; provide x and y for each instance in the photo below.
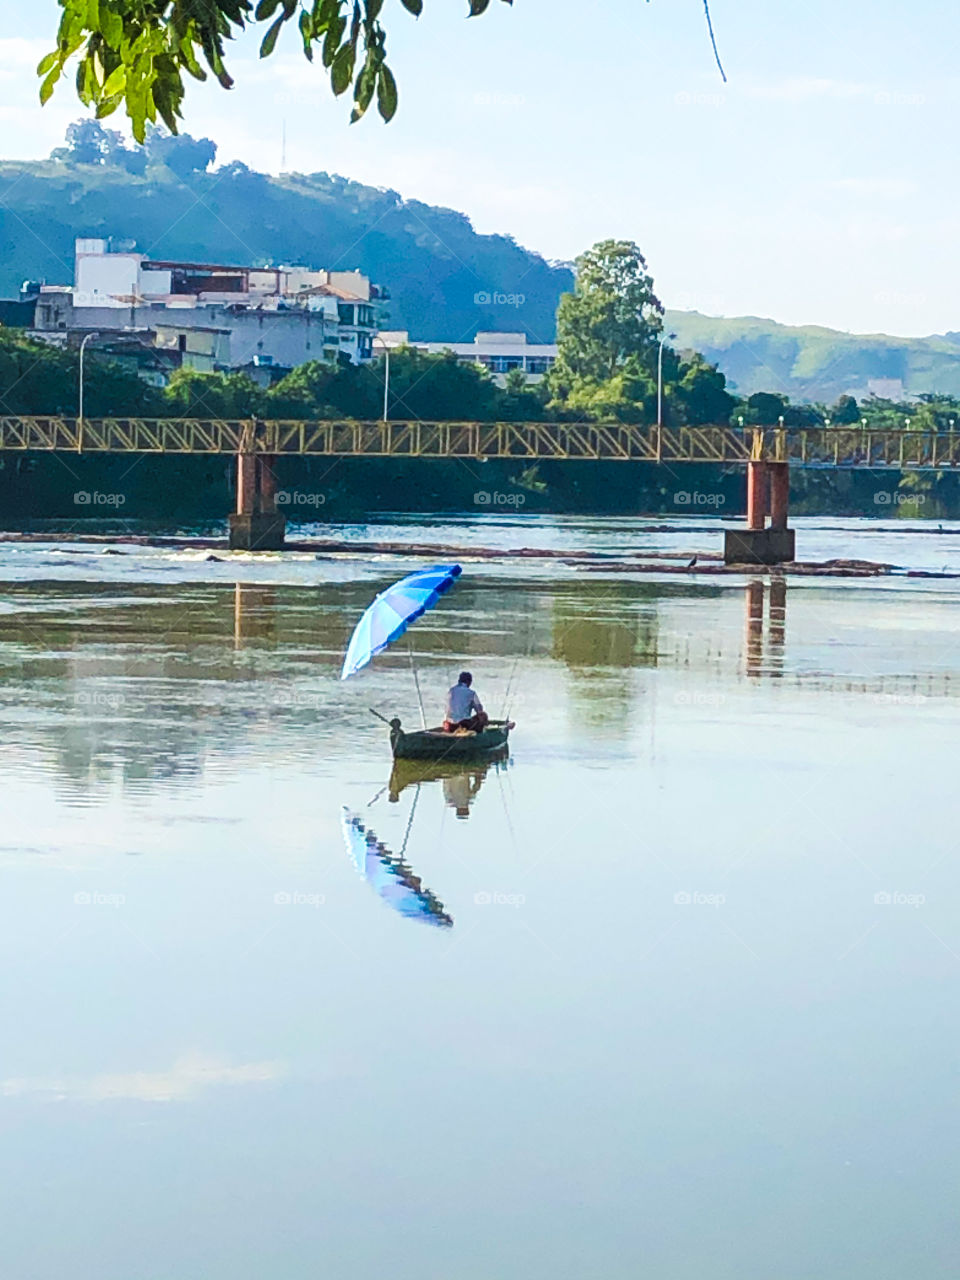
(416, 681)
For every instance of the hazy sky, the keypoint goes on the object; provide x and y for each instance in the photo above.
(819, 186)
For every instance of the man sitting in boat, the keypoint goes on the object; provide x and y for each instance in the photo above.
(464, 708)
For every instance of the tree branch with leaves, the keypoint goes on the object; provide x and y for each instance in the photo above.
(136, 54)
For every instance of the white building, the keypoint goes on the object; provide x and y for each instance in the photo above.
(498, 352)
(274, 315)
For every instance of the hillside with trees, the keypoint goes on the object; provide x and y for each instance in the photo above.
(170, 200)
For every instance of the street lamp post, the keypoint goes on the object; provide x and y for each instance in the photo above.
(83, 347)
(386, 377)
(671, 336)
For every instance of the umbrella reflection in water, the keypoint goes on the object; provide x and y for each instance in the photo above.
(392, 877)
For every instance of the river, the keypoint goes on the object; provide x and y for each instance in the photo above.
(668, 993)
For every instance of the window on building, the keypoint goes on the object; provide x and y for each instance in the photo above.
(345, 311)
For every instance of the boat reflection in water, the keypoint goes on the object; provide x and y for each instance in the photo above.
(460, 781)
(392, 877)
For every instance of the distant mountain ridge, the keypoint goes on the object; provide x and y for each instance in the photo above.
(813, 363)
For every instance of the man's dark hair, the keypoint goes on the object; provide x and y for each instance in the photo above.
(465, 678)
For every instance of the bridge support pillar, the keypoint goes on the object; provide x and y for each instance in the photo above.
(768, 491)
(255, 525)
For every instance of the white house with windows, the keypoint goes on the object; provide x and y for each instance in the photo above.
(498, 352)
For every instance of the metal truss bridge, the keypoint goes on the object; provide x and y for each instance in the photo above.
(824, 447)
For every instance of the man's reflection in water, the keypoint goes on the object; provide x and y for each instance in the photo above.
(756, 663)
(460, 789)
(460, 783)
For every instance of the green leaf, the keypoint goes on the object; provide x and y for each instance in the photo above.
(413, 6)
(477, 7)
(111, 24)
(115, 81)
(270, 39)
(341, 73)
(48, 63)
(386, 93)
(266, 9)
(46, 89)
(306, 32)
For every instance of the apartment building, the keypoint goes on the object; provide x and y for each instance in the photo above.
(279, 316)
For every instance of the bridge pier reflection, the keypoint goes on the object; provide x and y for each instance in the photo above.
(756, 662)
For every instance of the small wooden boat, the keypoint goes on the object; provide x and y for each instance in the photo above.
(462, 744)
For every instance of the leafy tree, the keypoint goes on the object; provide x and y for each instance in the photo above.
(193, 394)
(36, 378)
(612, 316)
(182, 154)
(845, 412)
(629, 396)
(135, 53)
(764, 409)
(700, 393)
(89, 143)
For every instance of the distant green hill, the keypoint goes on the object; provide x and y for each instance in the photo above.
(438, 269)
(811, 363)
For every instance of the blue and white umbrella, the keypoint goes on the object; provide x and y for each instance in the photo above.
(394, 610)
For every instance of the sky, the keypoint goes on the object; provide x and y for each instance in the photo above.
(817, 186)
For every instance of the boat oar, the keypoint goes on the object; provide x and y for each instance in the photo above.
(378, 715)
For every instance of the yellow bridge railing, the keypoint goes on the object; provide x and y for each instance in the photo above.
(524, 441)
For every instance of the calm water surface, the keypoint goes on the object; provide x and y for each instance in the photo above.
(671, 993)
